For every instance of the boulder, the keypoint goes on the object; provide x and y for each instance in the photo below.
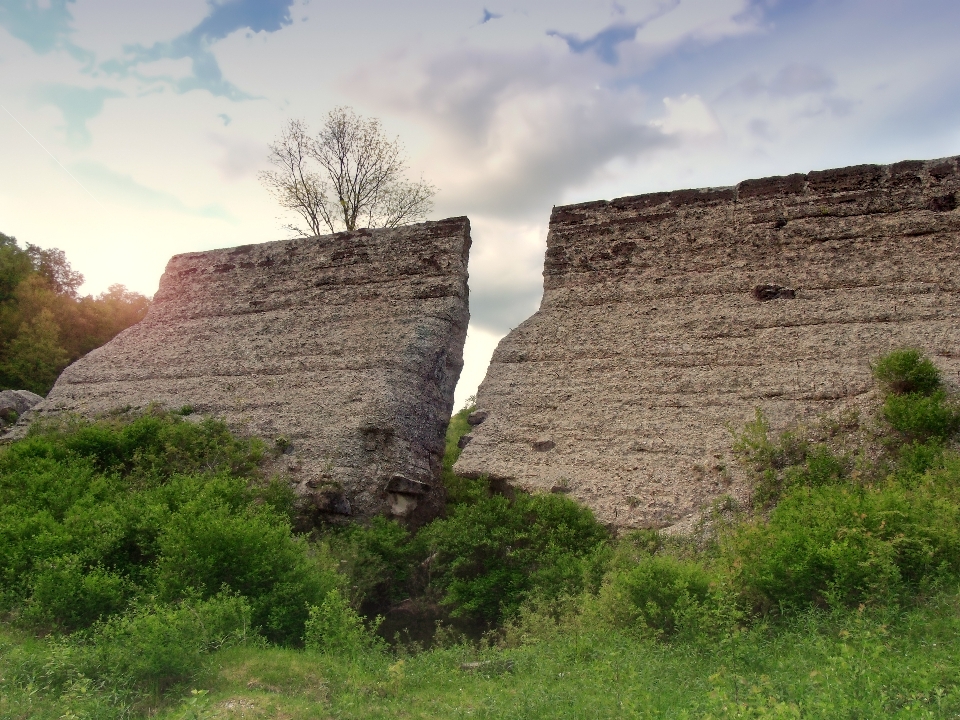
(14, 403)
(342, 351)
(668, 319)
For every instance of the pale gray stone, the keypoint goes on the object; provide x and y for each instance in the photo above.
(342, 350)
(668, 318)
(14, 403)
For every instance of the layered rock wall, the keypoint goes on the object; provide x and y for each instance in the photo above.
(342, 350)
(669, 318)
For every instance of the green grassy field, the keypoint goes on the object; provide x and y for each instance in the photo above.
(842, 664)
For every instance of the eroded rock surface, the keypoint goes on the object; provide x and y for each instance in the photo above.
(667, 318)
(14, 403)
(343, 350)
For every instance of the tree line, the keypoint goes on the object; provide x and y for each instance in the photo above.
(44, 322)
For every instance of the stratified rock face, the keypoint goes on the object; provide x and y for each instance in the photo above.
(668, 318)
(344, 349)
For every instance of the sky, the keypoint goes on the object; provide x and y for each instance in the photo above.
(132, 130)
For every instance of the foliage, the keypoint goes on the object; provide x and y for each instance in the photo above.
(839, 664)
(335, 627)
(906, 371)
(829, 598)
(838, 545)
(920, 418)
(44, 324)
(460, 489)
(359, 180)
(488, 557)
(769, 459)
(154, 646)
(99, 517)
(875, 528)
(378, 558)
(661, 594)
(34, 358)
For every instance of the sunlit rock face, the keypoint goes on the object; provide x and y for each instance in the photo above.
(341, 351)
(668, 318)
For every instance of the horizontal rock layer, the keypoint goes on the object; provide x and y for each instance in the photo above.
(344, 350)
(668, 318)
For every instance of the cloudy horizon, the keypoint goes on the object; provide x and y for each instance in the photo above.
(131, 131)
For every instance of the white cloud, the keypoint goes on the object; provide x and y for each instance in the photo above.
(688, 115)
(477, 352)
(109, 185)
(240, 157)
(513, 133)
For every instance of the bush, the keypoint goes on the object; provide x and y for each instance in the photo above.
(918, 458)
(661, 594)
(459, 489)
(919, 417)
(837, 545)
(158, 645)
(378, 559)
(487, 558)
(65, 594)
(906, 371)
(96, 515)
(335, 627)
(789, 462)
(205, 547)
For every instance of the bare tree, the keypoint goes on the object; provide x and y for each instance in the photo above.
(294, 186)
(360, 180)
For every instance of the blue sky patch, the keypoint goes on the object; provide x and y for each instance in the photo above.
(77, 105)
(603, 44)
(44, 29)
(223, 19)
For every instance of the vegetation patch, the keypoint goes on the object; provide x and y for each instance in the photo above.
(149, 568)
(44, 323)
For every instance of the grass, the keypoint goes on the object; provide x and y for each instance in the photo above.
(850, 663)
(841, 664)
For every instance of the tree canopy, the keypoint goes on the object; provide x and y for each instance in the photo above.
(349, 175)
(44, 323)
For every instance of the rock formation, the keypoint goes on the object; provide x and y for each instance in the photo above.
(342, 350)
(14, 403)
(670, 317)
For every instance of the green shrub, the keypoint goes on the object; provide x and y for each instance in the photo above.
(660, 594)
(158, 645)
(918, 458)
(379, 559)
(921, 417)
(459, 489)
(67, 595)
(335, 627)
(754, 446)
(788, 462)
(207, 547)
(836, 545)
(487, 558)
(155, 444)
(906, 371)
(96, 515)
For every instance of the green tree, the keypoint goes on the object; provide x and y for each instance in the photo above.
(35, 357)
(44, 323)
(15, 265)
